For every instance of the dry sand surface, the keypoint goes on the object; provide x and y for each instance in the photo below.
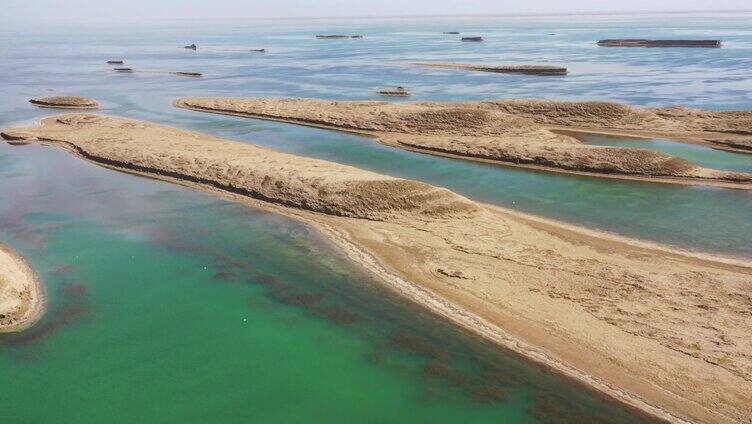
(526, 133)
(65, 102)
(661, 330)
(21, 295)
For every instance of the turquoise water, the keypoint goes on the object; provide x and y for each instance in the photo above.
(701, 155)
(71, 60)
(169, 305)
(700, 218)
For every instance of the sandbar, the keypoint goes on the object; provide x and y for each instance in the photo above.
(21, 293)
(65, 102)
(643, 42)
(533, 134)
(661, 330)
(499, 69)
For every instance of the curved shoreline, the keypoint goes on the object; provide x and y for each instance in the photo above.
(443, 307)
(374, 244)
(392, 140)
(28, 293)
(425, 298)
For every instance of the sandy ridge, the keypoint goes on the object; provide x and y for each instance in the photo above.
(661, 329)
(485, 131)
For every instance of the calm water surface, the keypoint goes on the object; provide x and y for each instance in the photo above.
(71, 60)
(171, 305)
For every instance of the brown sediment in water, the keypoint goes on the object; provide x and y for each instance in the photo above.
(661, 330)
(21, 293)
(74, 308)
(499, 69)
(528, 133)
(65, 102)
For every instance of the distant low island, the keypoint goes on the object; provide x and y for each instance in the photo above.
(641, 42)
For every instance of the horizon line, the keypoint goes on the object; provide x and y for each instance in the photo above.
(423, 16)
(482, 15)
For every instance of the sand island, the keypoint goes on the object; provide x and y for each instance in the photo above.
(499, 69)
(530, 133)
(65, 102)
(21, 294)
(642, 42)
(662, 330)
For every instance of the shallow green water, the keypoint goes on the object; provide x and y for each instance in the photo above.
(169, 305)
(701, 155)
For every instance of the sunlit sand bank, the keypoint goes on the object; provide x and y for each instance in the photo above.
(661, 330)
(531, 133)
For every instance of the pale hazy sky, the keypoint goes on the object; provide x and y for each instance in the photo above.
(22, 11)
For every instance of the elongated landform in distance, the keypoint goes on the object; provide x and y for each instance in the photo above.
(499, 69)
(21, 293)
(529, 133)
(65, 102)
(643, 42)
(661, 330)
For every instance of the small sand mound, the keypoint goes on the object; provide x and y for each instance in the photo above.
(67, 102)
(398, 91)
(21, 297)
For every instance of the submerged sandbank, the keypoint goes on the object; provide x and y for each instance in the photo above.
(504, 132)
(21, 294)
(657, 329)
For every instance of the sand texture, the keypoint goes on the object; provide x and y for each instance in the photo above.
(662, 330)
(520, 133)
(500, 69)
(65, 102)
(21, 295)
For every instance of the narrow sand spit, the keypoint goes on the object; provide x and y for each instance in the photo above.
(500, 69)
(534, 134)
(21, 294)
(661, 330)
